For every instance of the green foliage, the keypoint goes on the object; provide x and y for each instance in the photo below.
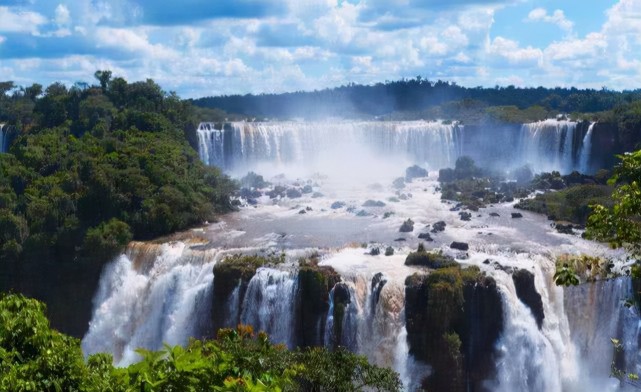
(620, 223)
(434, 260)
(88, 158)
(565, 276)
(33, 357)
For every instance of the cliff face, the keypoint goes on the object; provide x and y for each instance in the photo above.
(453, 320)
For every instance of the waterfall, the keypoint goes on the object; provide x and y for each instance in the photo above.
(548, 145)
(239, 145)
(269, 304)
(148, 297)
(4, 139)
(586, 151)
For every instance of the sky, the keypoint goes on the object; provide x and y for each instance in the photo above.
(203, 48)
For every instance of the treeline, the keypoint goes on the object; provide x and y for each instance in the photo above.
(92, 167)
(420, 98)
(34, 357)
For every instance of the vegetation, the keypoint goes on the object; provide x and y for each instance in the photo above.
(434, 260)
(95, 166)
(33, 357)
(421, 98)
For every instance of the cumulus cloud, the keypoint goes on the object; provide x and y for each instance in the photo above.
(557, 17)
(20, 21)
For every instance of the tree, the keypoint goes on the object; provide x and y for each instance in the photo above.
(103, 77)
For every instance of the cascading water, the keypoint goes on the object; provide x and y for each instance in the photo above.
(241, 145)
(586, 151)
(148, 297)
(548, 145)
(3, 139)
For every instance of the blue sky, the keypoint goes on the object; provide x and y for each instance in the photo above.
(199, 48)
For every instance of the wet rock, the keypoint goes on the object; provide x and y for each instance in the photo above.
(425, 236)
(400, 239)
(308, 208)
(302, 212)
(338, 204)
(252, 202)
(363, 213)
(403, 196)
(389, 251)
(375, 251)
(413, 172)
(387, 214)
(399, 183)
(307, 189)
(374, 203)
(246, 193)
(494, 214)
(564, 229)
(434, 260)
(351, 209)
(293, 193)
(459, 245)
(393, 200)
(316, 195)
(516, 215)
(526, 291)
(407, 226)
(438, 226)
(278, 191)
(465, 216)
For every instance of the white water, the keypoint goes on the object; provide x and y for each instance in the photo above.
(3, 139)
(586, 151)
(163, 293)
(547, 145)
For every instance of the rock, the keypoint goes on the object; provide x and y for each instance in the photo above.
(363, 213)
(434, 260)
(564, 229)
(375, 251)
(302, 212)
(400, 239)
(393, 199)
(387, 214)
(517, 215)
(316, 195)
(307, 189)
(308, 208)
(459, 245)
(526, 291)
(236, 203)
(373, 203)
(253, 180)
(399, 183)
(413, 172)
(252, 202)
(338, 204)
(494, 214)
(293, 193)
(403, 196)
(246, 193)
(389, 251)
(465, 216)
(486, 261)
(351, 209)
(278, 190)
(438, 226)
(425, 236)
(407, 226)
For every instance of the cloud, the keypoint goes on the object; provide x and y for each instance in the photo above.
(20, 21)
(557, 18)
(510, 51)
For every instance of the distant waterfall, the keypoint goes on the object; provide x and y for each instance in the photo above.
(4, 139)
(586, 151)
(548, 145)
(242, 144)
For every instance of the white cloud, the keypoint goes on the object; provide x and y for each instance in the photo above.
(132, 41)
(16, 21)
(62, 15)
(557, 18)
(510, 50)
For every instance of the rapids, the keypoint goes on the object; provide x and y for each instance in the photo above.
(159, 293)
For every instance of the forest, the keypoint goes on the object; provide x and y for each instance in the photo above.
(92, 167)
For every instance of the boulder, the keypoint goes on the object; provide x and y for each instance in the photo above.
(459, 245)
(374, 203)
(399, 183)
(375, 251)
(389, 251)
(407, 226)
(465, 216)
(293, 193)
(307, 189)
(564, 228)
(413, 172)
(438, 226)
(425, 236)
(338, 204)
(516, 215)
(494, 214)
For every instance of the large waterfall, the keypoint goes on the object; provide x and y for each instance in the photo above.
(544, 146)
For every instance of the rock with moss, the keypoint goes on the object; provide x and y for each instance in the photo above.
(453, 320)
(314, 285)
(434, 260)
(234, 273)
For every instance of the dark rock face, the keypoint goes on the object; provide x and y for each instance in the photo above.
(314, 286)
(413, 172)
(517, 215)
(307, 189)
(425, 236)
(526, 291)
(338, 204)
(293, 193)
(494, 214)
(246, 193)
(342, 299)
(453, 319)
(438, 226)
(564, 229)
(374, 203)
(465, 216)
(278, 190)
(407, 226)
(459, 245)
(389, 251)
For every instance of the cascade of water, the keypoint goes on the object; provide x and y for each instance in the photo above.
(547, 145)
(3, 142)
(586, 151)
(269, 304)
(241, 144)
(140, 305)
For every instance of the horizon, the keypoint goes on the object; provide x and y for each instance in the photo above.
(270, 47)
